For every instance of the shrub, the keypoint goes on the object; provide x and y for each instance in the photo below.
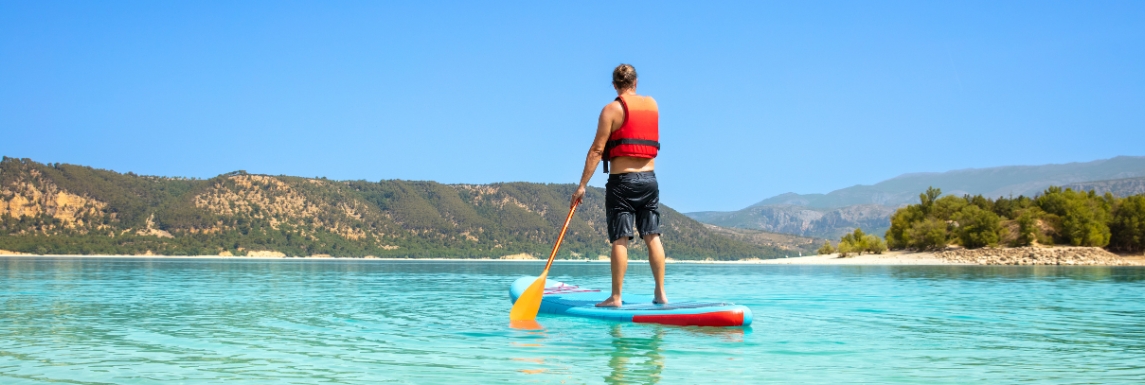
(845, 249)
(826, 248)
(874, 244)
(857, 242)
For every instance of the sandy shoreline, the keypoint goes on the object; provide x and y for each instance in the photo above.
(891, 258)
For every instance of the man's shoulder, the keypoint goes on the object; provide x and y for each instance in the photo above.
(647, 99)
(651, 100)
(614, 106)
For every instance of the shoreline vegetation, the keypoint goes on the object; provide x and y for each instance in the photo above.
(1046, 256)
(1057, 227)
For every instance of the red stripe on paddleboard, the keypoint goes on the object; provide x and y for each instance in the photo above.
(719, 318)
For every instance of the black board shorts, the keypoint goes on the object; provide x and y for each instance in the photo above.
(632, 197)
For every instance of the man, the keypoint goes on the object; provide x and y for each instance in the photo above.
(627, 136)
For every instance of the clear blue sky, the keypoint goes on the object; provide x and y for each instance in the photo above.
(756, 98)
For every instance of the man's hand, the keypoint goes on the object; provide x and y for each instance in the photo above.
(577, 196)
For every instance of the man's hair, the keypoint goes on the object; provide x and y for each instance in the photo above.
(624, 77)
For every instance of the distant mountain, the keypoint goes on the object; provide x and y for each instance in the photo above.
(1119, 187)
(803, 221)
(869, 207)
(992, 182)
(793, 245)
(67, 209)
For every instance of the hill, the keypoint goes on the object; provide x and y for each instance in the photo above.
(69, 209)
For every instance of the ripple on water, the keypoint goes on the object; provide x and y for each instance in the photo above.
(139, 321)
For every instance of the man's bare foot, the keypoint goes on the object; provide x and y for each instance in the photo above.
(613, 301)
(661, 298)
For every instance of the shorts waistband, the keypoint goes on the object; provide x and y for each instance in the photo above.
(632, 175)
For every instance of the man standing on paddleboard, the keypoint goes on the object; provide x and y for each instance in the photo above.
(627, 136)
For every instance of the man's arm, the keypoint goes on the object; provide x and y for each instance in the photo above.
(596, 151)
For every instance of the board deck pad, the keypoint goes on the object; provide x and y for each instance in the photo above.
(565, 299)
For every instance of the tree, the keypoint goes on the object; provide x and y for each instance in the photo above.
(978, 227)
(1027, 227)
(826, 248)
(929, 234)
(927, 198)
(1084, 217)
(946, 207)
(1128, 225)
(901, 222)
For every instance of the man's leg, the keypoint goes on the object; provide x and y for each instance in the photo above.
(619, 267)
(656, 261)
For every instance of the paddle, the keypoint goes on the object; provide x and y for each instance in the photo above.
(527, 305)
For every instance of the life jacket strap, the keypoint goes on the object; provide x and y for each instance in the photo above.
(608, 146)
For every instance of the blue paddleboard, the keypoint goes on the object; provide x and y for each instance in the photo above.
(564, 299)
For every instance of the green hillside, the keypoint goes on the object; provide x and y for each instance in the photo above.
(68, 209)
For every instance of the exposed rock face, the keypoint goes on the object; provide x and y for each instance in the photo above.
(803, 221)
(269, 198)
(1036, 256)
(45, 198)
(1119, 187)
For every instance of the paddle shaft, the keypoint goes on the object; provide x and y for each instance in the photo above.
(561, 238)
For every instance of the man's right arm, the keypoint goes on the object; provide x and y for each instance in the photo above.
(596, 151)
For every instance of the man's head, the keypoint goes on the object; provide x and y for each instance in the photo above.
(624, 77)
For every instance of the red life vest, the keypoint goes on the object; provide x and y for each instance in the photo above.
(639, 135)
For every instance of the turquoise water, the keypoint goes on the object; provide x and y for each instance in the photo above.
(198, 321)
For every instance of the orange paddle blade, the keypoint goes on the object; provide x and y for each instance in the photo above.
(527, 305)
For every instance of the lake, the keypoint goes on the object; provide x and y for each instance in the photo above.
(238, 321)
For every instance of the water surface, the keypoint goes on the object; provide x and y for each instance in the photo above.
(200, 321)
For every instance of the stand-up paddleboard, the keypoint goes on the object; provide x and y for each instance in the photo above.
(564, 299)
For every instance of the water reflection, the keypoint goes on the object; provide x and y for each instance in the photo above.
(635, 360)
